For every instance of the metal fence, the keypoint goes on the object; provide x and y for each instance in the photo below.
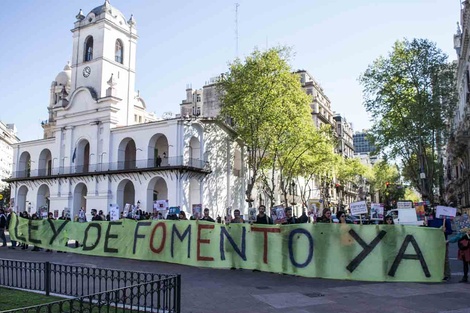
(95, 289)
(164, 163)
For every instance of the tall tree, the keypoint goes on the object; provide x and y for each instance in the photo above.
(410, 94)
(265, 100)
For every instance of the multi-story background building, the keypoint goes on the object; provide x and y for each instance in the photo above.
(7, 139)
(457, 156)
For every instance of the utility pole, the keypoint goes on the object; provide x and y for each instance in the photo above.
(236, 29)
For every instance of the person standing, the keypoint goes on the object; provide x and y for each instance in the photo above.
(206, 216)
(325, 217)
(3, 225)
(237, 218)
(262, 218)
(446, 226)
(13, 243)
(289, 218)
(463, 254)
(341, 216)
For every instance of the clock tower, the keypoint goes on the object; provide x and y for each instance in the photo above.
(104, 46)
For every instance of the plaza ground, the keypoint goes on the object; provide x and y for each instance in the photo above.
(239, 291)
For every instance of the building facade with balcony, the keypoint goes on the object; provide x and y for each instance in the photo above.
(101, 147)
(457, 156)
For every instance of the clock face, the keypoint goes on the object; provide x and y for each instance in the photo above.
(86, 71)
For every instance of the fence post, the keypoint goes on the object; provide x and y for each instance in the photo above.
(47, 277)
(178, 293)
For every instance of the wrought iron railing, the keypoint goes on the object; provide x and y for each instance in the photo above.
(164, 163)
(93, 287)
(152, 296)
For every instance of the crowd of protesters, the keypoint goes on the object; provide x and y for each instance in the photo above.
(461, 224)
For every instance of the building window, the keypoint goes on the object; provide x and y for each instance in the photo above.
(118, 51)
(198, 98)
(88, 49)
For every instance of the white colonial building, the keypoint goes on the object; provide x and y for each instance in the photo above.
(101, 147)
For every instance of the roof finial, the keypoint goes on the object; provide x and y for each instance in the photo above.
(459, 32)
(80, 16)
(112, 82)
(131, 20)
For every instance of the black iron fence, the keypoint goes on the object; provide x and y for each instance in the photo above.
(94, 289)
(163, 163)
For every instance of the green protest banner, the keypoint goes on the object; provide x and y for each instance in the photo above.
(338, 251)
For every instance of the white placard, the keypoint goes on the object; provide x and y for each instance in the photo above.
(113, 212)
(445, 211)
(404, 205)
(358, 208)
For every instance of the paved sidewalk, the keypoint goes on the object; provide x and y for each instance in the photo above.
(239, 291)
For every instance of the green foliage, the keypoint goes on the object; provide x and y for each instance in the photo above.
(271, 112)
(386, 181)
(410, 94)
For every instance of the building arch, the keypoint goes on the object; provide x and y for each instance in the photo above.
(118, 51)
(42, 198)
(88, 49)
(194, 152)
(127, 154)
(158, 146)
(45, 163)
(21, 198)
(125, 193)
(24, 166)
(157, 190)
(81, 156)
(194, 192)
(79, 198)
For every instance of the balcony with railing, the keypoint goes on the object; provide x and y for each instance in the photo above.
(168, 164)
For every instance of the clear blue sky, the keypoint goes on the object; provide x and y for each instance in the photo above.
(188, 42)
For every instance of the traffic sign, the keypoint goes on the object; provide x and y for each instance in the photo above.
(1, 196)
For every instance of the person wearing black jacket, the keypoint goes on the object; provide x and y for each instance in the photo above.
(206, 216)
(3, 225)
(289, 218)
(262, 218)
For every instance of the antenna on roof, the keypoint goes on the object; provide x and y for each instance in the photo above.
(236, 29)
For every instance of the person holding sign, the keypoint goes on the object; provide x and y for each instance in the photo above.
(445, 224)
(463, 240)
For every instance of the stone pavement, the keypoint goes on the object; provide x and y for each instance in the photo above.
(240, 291)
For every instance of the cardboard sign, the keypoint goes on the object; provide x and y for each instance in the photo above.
(113, 212)
(404, 205)
(197, 211)
(160, 205)
(278, 214)
(252, 214)
(420, 212)
(376, 211)
(358, 208)
(174, 210)
(445, 211)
